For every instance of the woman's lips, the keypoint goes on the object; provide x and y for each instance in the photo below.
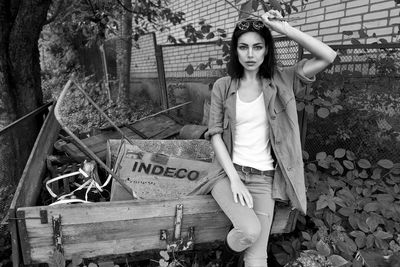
(250, 63)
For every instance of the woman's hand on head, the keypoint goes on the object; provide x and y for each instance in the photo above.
(241, 193)
(273, 20)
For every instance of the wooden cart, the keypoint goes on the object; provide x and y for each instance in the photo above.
(108, 230)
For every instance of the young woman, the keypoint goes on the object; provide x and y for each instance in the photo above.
(254, 131)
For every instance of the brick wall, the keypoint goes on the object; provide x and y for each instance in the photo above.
(323, 19)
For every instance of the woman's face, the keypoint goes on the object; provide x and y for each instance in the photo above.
(251, 50)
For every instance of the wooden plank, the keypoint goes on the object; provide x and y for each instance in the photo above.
(123, 227)
(116, 248)
(29, 186)
(122, 210)
(96, 225)
(118, 230)
(97, 144)
(158, 127)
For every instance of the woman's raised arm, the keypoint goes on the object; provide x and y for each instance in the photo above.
(323, 54)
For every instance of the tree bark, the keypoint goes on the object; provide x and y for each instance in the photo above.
(124, 54)
(20, 85)
(7, 111)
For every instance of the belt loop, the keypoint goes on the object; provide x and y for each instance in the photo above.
(245, 172)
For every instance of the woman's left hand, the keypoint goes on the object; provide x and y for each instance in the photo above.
(274, 20)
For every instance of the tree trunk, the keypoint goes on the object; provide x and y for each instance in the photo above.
(20, 85)
(7, 111)
(124, 54)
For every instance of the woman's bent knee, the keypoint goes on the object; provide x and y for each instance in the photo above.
(251, 233)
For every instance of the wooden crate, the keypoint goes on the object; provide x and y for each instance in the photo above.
(107, 229)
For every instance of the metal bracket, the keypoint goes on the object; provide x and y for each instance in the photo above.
(57, 233)
(178, 243)
(43, 217)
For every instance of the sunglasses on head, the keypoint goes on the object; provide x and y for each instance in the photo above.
(245, 24)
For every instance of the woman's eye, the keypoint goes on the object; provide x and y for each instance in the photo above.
(242, 47)
(258, 48)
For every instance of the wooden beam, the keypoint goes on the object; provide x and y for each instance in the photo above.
(28, 188)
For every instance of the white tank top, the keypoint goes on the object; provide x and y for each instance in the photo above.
(251, 145)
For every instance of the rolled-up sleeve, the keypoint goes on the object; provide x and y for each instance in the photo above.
(301, 80)
(215, 121)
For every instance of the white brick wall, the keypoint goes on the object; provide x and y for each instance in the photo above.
(325, 19)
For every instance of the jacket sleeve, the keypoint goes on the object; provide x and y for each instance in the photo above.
(301, 80)
(293, 77)
(215, 121)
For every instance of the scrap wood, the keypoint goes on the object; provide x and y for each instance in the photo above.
(82, 145)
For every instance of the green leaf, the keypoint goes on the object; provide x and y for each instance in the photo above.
(352, 245)
(323, 112)
(306, 236)
(336, 164)
(189, 69)
(384, 198)
(383, 41)
(339, 201)
(323, 248)
(362, 225)
(385, 163)
(381, 244)
(372, 206)
(346, 211)
(350, 155)
(300, 106)
(383, 235)
(355, 41)
(337, 260)
(219, 42)
(364, 163)
(395, 169)
(321, 156)
(312, 167)
(332, 205)
(205, 29)
(362, 33)
(275, 4)
(245, 9)
(202, 66)
(373, 258)
(164, 254)
(163, 263)
(357, 234)
(210, 36)
(345, 248)
(309, 109)
(376, 174)
(255, 5)
(363, 174)
(373, 222)
(348, 33)
(322, 202)
(357, 262)
(348, 164)
(340, 153)
(219, 62)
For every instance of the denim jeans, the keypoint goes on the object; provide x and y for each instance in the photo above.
(251, 227)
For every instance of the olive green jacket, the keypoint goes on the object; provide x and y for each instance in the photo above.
(280, 104)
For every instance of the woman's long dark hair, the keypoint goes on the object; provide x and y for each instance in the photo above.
(235, 69)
